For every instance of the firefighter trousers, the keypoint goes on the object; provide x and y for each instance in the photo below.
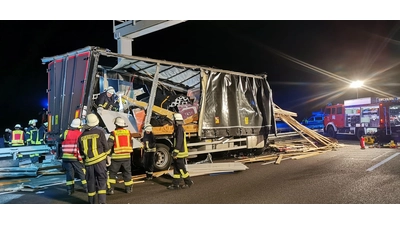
(180, 172)
(115, 167)
(96, 177)
(72, 167)
(148, 163)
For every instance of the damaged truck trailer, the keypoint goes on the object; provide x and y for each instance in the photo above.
(223, 111)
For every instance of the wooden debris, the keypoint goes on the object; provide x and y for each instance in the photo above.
(279, 159)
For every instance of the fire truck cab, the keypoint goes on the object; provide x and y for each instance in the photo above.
(373, 116)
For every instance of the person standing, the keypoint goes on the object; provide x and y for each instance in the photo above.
(71, 158)
(7, 138)
(121, 141)
(43, 131)
(149, 147)
(17, 136)
(94, 149)
(32, 138)
(179, 154)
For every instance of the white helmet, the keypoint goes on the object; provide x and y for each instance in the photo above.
(148, 128)
(178, 117)
(32, 122)
(46, 124)
(8, 130)
(120, 122)
(111, 90)
(18, 126)
(92, 120)
(76, 123)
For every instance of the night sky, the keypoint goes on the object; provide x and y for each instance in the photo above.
(350, 49)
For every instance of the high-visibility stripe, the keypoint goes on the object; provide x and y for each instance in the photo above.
(91, 194)
(70, 182)
(112, 181)
(129, 183)
(102, 192)
(121, 156)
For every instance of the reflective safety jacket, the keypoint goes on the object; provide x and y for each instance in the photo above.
(17, 138)
(69, 145)
(180, 147)
(92, 145)
(122, 147)
(32, 135)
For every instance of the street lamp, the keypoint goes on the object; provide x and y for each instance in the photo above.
(356, 84)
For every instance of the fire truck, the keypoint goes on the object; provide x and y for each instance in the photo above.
(375, 116)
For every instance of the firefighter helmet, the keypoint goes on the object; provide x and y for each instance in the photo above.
(76, 123)
(148, 128)
(18, 126)
(8, 130)
(46, 124)
(120, 122)
(92, 120)
(111, 90)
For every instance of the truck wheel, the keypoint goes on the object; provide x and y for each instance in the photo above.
(331, 132)
(162, 157)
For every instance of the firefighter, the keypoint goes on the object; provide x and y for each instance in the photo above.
(179, 154)
(107, 100)
(7, 138)
(17, 136)
(149, 146)
(42, 132)
(93, 147)
(32, 138)
(121, 141)
(71, 158)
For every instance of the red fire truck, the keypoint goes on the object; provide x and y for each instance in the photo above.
(373, 116)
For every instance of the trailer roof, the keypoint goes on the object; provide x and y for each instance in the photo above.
(178, 73)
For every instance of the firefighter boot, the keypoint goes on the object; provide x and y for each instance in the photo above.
(128, 189)
(188, 183)
(110, 191)
(149, 176)
(91, 199)
(70, 189)
(175, 184)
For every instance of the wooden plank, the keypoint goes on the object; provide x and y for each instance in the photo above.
(279, 159)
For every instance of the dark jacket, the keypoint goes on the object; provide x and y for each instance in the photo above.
(86, 146)
(180, 147)
(149, 142)
(107, 103)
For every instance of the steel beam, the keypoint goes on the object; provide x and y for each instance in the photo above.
(126, 31)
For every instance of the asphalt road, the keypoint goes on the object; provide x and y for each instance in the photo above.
(347, 175)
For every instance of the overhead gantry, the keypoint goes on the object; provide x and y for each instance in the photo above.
(127, 30)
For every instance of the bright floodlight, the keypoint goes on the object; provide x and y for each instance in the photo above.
(356, 84)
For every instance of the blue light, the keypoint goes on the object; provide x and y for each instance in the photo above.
(44, 103)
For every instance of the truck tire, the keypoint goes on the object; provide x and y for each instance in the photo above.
(163, 158)
(331, 132)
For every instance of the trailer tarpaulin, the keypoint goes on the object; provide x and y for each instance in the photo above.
(236, 106)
